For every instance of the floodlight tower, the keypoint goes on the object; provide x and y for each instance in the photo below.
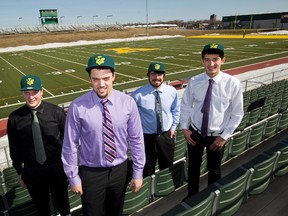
(146, 17)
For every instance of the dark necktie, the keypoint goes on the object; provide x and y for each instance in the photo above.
(158, 109)
(37, 138)
(205, 109)
(108, 135)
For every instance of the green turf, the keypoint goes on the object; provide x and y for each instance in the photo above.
(63, 74)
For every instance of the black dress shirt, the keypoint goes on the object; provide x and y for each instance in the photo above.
(52, 123)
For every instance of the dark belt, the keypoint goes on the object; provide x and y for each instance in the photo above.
(101, 168)
(209, 134)
(27, 165)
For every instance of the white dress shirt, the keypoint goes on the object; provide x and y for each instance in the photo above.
(226, 109)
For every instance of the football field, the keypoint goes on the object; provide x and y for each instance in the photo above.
(62, 69)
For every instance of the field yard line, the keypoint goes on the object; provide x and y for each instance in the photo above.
(22, 73)
(125, 75)
(13, 66)
(56, 69)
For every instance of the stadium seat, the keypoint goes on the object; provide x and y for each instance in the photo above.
(256, 133)
(271, 126)
(75, 202)
(262, 174)
(281, 166)
(265, 111)
(239, 142)
(200, 204)
(233, 191)
(167, 180)
(254, 116)
(284, 102)
(244, 122)
(275, 107)
(20, 202)
(283, 120)
(135, 201)
(180, 148)
(227, 148)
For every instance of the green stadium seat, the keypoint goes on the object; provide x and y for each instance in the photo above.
(239, 142)
(180, 148)
(167, 180)
(244, 122)
(135, 201)
(227, 149)
(265, 111)
(254, 116)
(281, 166)
(256, 133)
(233, 191)
(263, 166)
(283, 121)
(200, 204)
(271, 126)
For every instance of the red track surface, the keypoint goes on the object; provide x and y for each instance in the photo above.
(261, 65)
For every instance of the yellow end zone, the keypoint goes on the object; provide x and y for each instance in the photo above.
(125, 50)
(241, 36)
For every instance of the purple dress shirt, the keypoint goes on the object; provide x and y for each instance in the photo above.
(83, 137)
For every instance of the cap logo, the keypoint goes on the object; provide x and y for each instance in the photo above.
(30, 81)
(213, 46)
(99, 60)
(157, 66)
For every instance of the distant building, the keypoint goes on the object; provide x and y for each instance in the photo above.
(256, 21)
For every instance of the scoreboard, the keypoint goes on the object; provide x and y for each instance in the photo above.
(48, 16)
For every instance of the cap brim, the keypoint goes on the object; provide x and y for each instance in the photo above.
(88, 69)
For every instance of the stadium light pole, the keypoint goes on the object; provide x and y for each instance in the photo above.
(61, 17)
(146, 17)
(108, 17)
(78, 18)
(94, 17)
(20, 18)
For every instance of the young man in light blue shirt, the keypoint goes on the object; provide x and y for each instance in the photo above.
(158, 135)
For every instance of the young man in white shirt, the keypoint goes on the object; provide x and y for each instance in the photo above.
(223, 114)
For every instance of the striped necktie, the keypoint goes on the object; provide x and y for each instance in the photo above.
(108, 135)
(37, 138)
(158, 109)
(205, 109)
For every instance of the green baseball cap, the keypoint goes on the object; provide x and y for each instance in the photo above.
(100, 60)
(213, 47)
(30, 82)
(156, 67)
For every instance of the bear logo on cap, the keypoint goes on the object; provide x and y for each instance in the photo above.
(30, 81)
(99, 60)
(213, 46)
(157, 66)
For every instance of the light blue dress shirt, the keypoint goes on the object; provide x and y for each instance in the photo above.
(83, 137)
(145, 99)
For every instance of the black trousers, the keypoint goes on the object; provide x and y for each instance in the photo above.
(195, 158)
(41, 181)
(103, 190)
(159, 147)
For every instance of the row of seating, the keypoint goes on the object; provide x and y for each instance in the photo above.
(272, 92)
(226, 195)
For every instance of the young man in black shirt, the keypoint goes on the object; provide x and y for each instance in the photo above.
(36, 156)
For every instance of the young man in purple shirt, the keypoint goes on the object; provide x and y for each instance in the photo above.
(102, 182)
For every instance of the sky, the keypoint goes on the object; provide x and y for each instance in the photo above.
(14, 13)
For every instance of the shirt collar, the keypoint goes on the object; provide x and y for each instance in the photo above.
(97, 100)
(152, 89)
(216, 79)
